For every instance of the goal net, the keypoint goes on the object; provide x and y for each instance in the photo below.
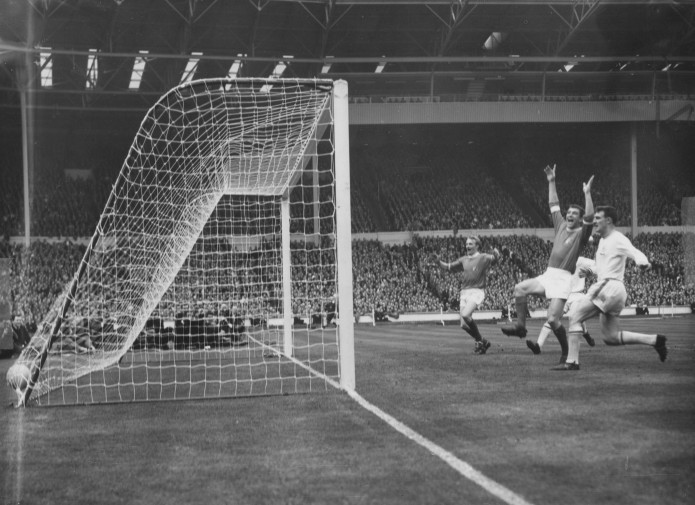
(220, 259)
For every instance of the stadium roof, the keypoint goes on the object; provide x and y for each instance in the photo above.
(118, 48)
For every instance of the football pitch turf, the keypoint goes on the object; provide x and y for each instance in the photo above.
(621, 430)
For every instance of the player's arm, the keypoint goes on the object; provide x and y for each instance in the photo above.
(588, 202)
(553, 199)
(446, 266)
(641, 259)
(636, 255)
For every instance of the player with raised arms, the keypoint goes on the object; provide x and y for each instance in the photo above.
(475, 267)
(571, 235)
(608, 295)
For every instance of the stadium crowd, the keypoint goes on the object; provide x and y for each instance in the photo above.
(387, 279)
(414, 184)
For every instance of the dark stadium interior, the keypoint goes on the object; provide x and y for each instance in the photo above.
(432, 46)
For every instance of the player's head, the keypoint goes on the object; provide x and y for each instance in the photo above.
(575, 213)
(605, 219)
(472, 244)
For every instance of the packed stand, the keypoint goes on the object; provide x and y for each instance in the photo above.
(443, 194)
(408, 187)
(660, 186)
(387, 279)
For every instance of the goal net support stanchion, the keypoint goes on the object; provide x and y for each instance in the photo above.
(230, 216)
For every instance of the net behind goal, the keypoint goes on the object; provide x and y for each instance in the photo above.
(220, 259)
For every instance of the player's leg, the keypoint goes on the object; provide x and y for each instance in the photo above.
(542, 337)
(546, 330)
(558, 286)
(471, 327)
(589, 339)
(521, 293)
(582, 310)
(535, 347)
(467, 322)
(470, 299)
(613, 335)
(612, 295)
(568, 306)
(555, 310)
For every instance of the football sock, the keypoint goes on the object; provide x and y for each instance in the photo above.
(472, 328)
(561, 335)
(573, 346)
(543, 335)
(521, 309)
(630, 337)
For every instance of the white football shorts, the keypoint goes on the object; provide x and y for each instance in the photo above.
(609, 295)
(556, 282)
(471, 295)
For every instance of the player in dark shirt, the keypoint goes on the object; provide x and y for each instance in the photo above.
(475, 266)
(571, 235)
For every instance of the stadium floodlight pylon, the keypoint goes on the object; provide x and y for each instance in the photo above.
(223, 251)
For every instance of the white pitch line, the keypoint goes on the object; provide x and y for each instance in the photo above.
(463, 468)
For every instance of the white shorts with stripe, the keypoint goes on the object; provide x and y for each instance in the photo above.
(556, 282)
(609, 295)
(471, 295)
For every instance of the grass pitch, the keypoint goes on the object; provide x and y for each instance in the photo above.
(619, 431)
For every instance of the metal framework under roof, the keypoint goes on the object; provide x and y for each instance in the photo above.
(92, 45)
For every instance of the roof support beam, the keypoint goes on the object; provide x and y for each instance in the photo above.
(580, 11)
(328, 21)
(259, 5)
(459, 10)
(45, 8)
(686, 37)
(4, 46)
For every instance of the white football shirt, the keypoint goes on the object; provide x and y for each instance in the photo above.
(612, 253)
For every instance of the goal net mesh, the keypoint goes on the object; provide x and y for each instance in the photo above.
(182, 291)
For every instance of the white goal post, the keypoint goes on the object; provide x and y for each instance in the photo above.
(221, 265)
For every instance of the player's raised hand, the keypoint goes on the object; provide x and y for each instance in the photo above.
(550, 172)
(587, 185)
